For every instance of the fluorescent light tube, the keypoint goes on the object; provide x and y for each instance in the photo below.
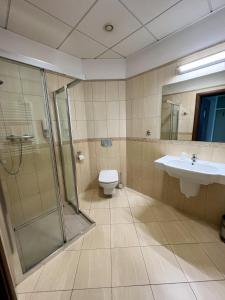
(202, 63)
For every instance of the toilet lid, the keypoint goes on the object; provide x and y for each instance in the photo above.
(108, 176)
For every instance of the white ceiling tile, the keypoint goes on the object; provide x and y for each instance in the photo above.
(27, 20)
(113, 12)
(134, 42)
(217, 3)
(69, 11)
(3, 12)
(110, 54)
(79, 45)
(182, 14)
(146, 10)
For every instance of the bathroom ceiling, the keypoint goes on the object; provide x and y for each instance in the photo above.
(76, 27)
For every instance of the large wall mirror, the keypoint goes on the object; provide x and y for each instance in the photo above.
(194, 110)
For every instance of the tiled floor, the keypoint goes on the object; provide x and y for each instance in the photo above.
(140, 249)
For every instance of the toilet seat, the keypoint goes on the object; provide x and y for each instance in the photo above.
(108, 176)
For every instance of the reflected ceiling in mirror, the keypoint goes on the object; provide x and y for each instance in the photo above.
(194, 110)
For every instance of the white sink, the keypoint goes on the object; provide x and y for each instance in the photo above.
(192, 175)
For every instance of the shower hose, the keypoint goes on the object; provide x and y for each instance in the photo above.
(11, 171)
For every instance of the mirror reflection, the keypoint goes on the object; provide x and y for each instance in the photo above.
(194, 110)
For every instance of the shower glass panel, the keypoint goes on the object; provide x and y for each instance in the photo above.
(68, 163)
(74, 221)
(27, 168)
(170, 121)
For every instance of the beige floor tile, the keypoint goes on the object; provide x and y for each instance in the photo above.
(143, 214)
(76, 245)
(86, 211)
(84, 204)
(216, 252)
(94, 269)
(137, 199)
(121, 215)
(100, 216)
(62, 295)
(164, 213)
(195, 263)
(92, 294)
(100, 203)
(162, 265)
(132, 293)
(119, 202)
(202, 232)
(211, 290)
(123, 235)
(23, 296)
(59, 273)
(176, 233)
(98, 237)
(150, 234)
(182, 216)
(179, 291)
(29, 283)
(87, 195)
(128, 267)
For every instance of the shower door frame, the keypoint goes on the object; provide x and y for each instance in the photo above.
(68, 112)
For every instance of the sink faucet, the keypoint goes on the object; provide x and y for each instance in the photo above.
(194, 158)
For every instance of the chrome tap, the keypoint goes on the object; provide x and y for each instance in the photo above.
(194, 158)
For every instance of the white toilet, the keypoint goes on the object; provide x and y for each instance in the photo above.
(108, 180)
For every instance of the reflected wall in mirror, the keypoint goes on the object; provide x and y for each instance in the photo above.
(194, 110)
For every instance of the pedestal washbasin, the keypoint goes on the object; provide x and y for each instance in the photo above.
(192, 174)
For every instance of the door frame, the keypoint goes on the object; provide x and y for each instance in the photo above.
(197, 108)
(6, 281)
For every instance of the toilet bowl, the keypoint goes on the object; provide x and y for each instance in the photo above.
(108, 180)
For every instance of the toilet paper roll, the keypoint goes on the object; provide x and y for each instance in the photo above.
(81, 157)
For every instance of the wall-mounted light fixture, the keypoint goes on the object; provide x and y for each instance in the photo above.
(202, 63)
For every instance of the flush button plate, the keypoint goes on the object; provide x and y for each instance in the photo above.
(106, 142)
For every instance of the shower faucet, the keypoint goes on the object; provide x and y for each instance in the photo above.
(21, 138)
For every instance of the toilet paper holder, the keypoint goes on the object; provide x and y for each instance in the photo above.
(80, 156)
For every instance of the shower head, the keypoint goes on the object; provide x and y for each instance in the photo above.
(1, 82)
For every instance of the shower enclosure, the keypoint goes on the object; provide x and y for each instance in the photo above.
(41, 219)
(170, 120)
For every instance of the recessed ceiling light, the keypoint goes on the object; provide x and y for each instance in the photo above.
(108, 27)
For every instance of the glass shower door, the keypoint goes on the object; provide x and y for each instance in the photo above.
(72, 220)
(27, 168)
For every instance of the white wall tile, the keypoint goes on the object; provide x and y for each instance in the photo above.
(100, 129)
(100, 111)
(112, 91)
(98, 88)
(89, 110)
(113, 128)
(113, 110)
